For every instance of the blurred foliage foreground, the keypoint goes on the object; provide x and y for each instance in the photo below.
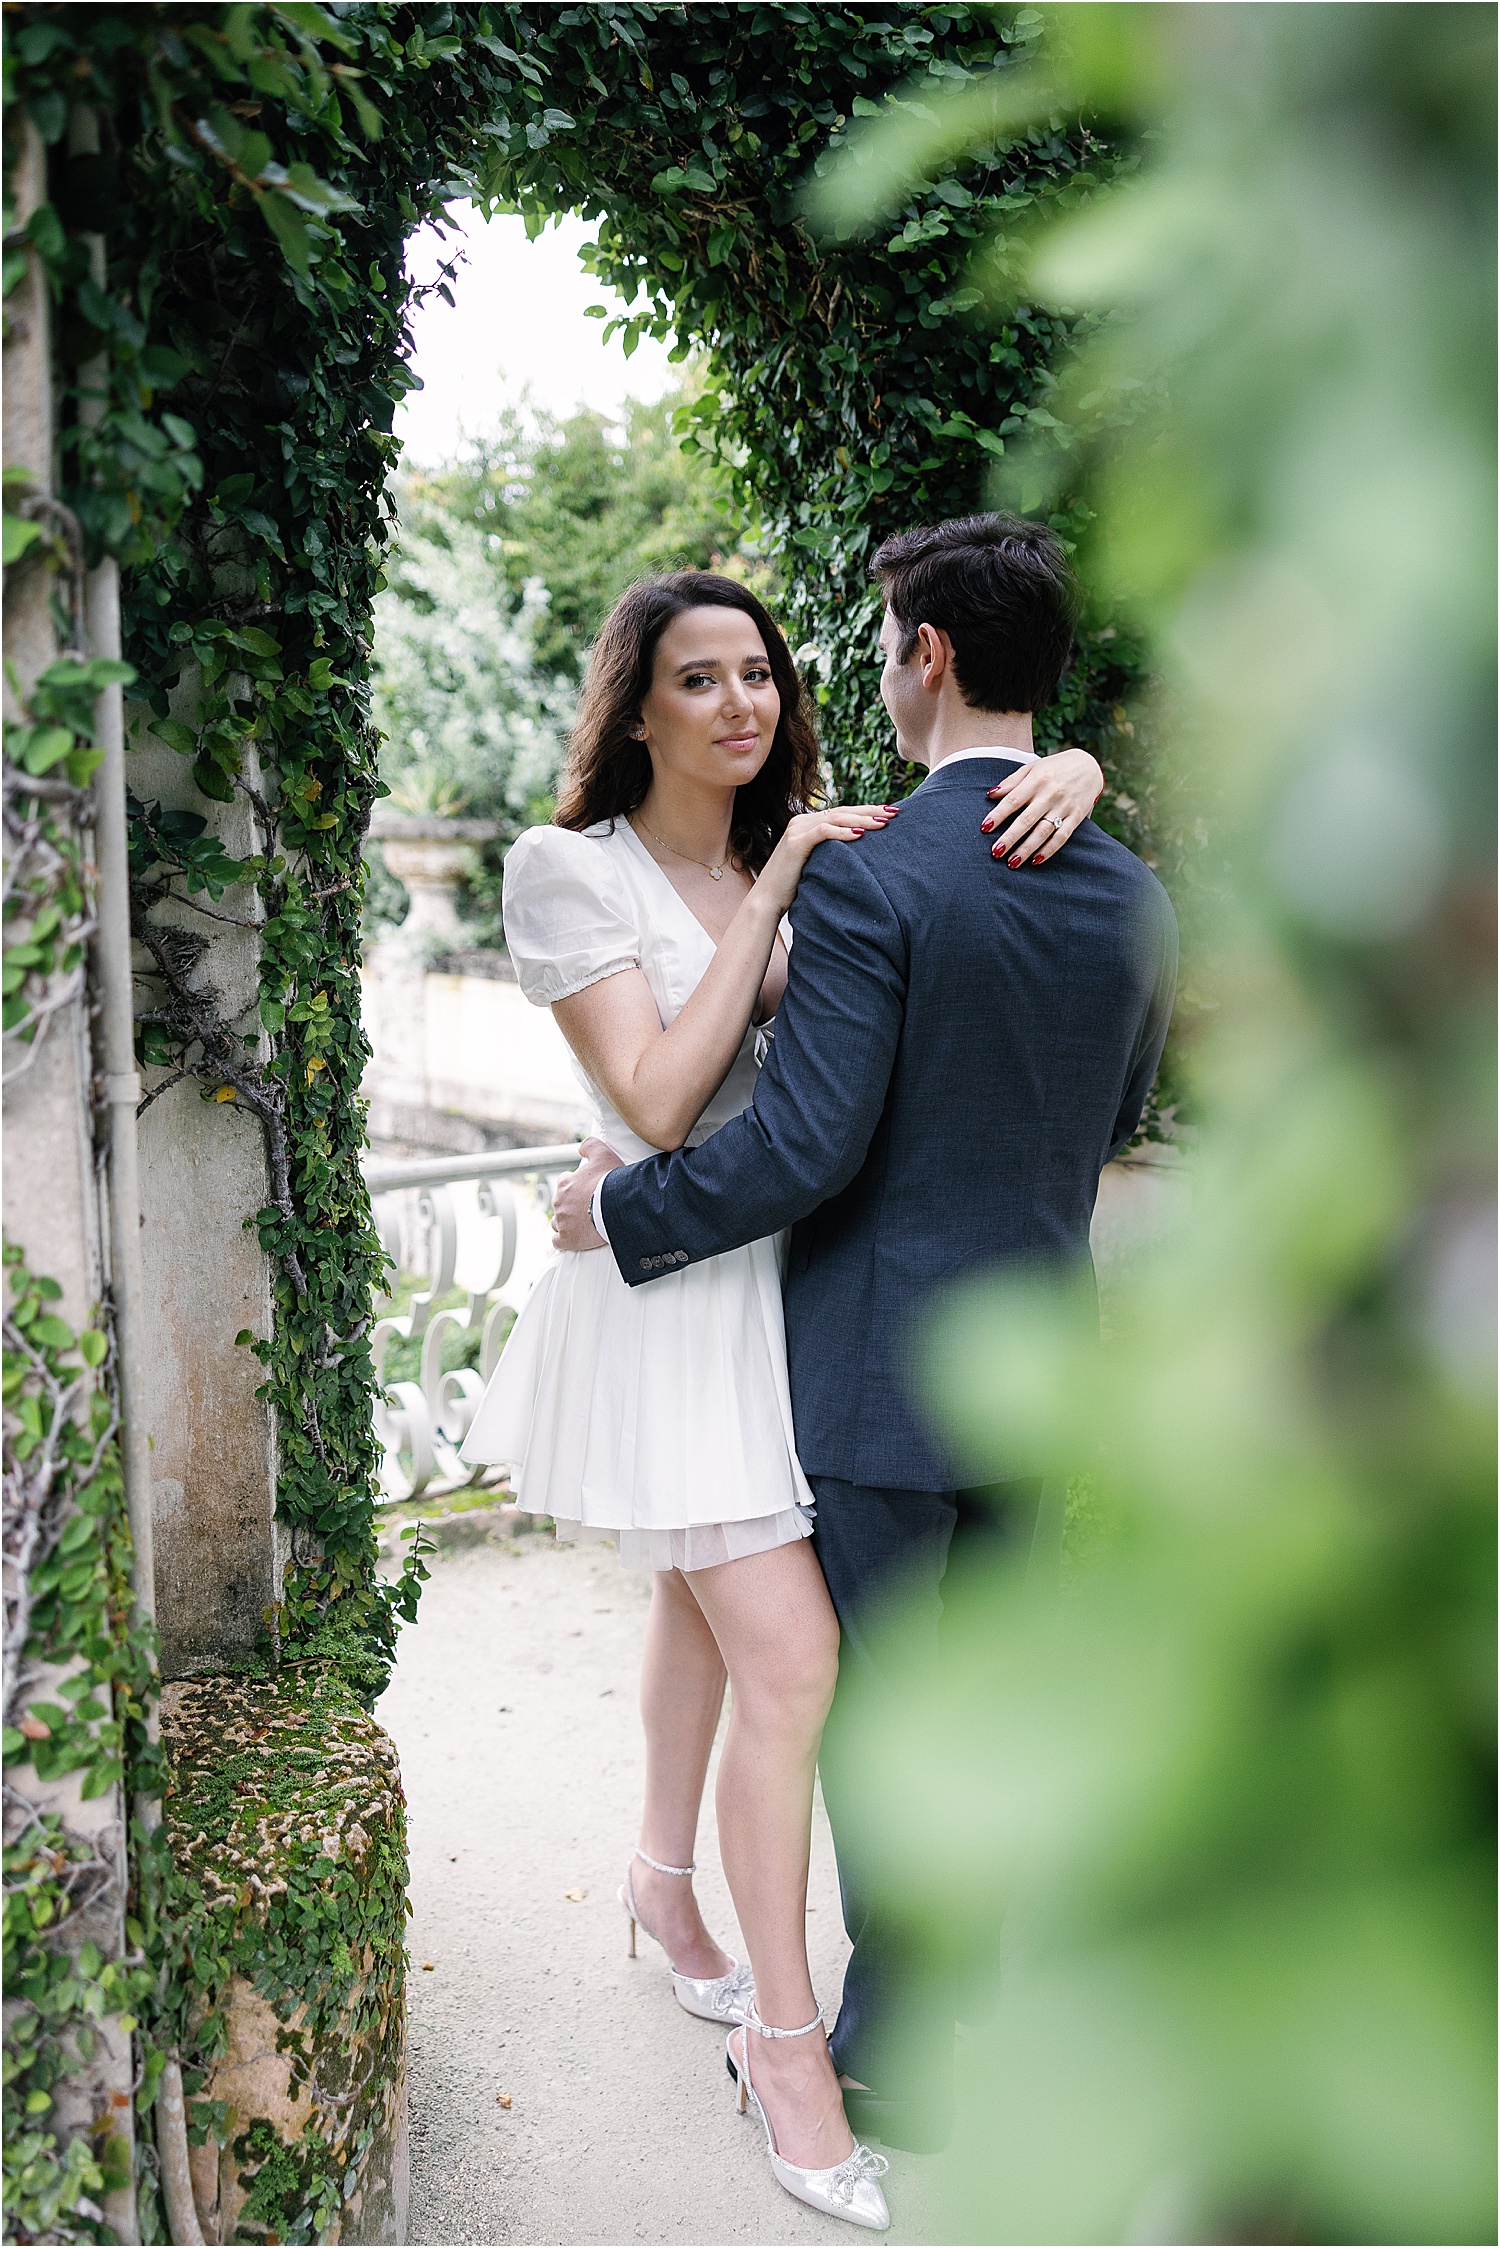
(1231, 1793)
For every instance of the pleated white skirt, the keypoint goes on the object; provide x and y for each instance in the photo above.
(659, 1417)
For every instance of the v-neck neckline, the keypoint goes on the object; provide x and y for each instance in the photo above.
(662, 875)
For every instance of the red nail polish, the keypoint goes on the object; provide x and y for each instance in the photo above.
(996, 850)
(1018, 860)
(1039, 860)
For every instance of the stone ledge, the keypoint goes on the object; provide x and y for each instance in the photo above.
(387, 826)
(285, 1812)
(489, 966)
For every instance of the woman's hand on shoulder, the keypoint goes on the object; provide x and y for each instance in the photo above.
(1042, 802)
(835, 823)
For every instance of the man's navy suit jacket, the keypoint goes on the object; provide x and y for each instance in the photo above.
(961, 1048)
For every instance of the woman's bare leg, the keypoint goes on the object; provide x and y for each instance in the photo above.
(682, 1695)
(776, 1630)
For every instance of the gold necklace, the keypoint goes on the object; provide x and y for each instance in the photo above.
(715, 873)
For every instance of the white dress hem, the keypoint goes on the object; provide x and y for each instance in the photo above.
(701, 1545)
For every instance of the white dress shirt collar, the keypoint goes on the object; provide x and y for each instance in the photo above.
(1017, 756)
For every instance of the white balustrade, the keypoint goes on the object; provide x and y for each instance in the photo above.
(476, 1222)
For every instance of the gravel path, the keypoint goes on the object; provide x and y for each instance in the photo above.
(514, 1711)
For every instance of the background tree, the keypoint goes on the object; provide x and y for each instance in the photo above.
(584, 505)
(471, 721)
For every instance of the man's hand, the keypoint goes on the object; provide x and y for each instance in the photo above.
(572, 1227)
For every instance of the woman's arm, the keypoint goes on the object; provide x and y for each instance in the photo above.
(1047, 796)
(660, 1080)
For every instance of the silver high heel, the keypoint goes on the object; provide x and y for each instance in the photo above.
(713, 1998)
(849, 2190)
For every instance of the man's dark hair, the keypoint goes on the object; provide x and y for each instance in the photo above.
(1001, 589)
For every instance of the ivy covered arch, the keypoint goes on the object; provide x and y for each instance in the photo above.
(260, 171)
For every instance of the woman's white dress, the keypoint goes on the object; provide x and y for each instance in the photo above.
(659, 1416)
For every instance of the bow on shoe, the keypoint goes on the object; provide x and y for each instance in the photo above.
(735, 1994)
(863, 2163)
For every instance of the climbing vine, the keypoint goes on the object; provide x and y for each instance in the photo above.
(79, 1675)
(49, 912)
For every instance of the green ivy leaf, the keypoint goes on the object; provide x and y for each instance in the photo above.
(19, 535)
(364, 109)
(46, 747)
(290, 229)
(315, 23)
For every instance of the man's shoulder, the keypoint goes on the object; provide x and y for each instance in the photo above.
(843, 875)
(1094, 870)
(1129, 864)
(1137, 877)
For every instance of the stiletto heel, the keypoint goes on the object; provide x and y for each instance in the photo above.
(849, 2189)
(713, 1998)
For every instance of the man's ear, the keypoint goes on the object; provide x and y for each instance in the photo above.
(936, 653)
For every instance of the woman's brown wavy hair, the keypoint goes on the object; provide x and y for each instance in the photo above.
(608, 770)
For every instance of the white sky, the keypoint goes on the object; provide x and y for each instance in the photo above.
(516, 323)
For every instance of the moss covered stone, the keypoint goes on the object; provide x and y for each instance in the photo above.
(286, 1822)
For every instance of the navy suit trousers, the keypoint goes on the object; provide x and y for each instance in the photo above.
(882, 1550)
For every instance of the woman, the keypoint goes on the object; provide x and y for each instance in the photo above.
(650, 918)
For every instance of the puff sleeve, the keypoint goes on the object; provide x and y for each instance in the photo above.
(568, 916)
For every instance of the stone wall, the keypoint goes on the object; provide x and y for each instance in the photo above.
(460, 1061)
(488, 1069)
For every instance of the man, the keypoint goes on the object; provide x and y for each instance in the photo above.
(960, 1050)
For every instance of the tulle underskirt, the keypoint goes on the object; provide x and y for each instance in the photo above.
(701, 1545)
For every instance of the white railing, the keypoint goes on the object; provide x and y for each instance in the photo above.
(476, 1222)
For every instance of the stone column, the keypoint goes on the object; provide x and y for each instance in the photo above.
(203, 1176)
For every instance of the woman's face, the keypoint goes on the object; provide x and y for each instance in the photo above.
(710, 715)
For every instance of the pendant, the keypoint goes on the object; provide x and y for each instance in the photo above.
(717, 873)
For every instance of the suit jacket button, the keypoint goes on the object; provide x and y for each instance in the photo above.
(682, 1256)
(645, 1264)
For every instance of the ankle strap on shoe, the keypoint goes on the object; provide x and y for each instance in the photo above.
(684, 1871)
(763, 2029)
